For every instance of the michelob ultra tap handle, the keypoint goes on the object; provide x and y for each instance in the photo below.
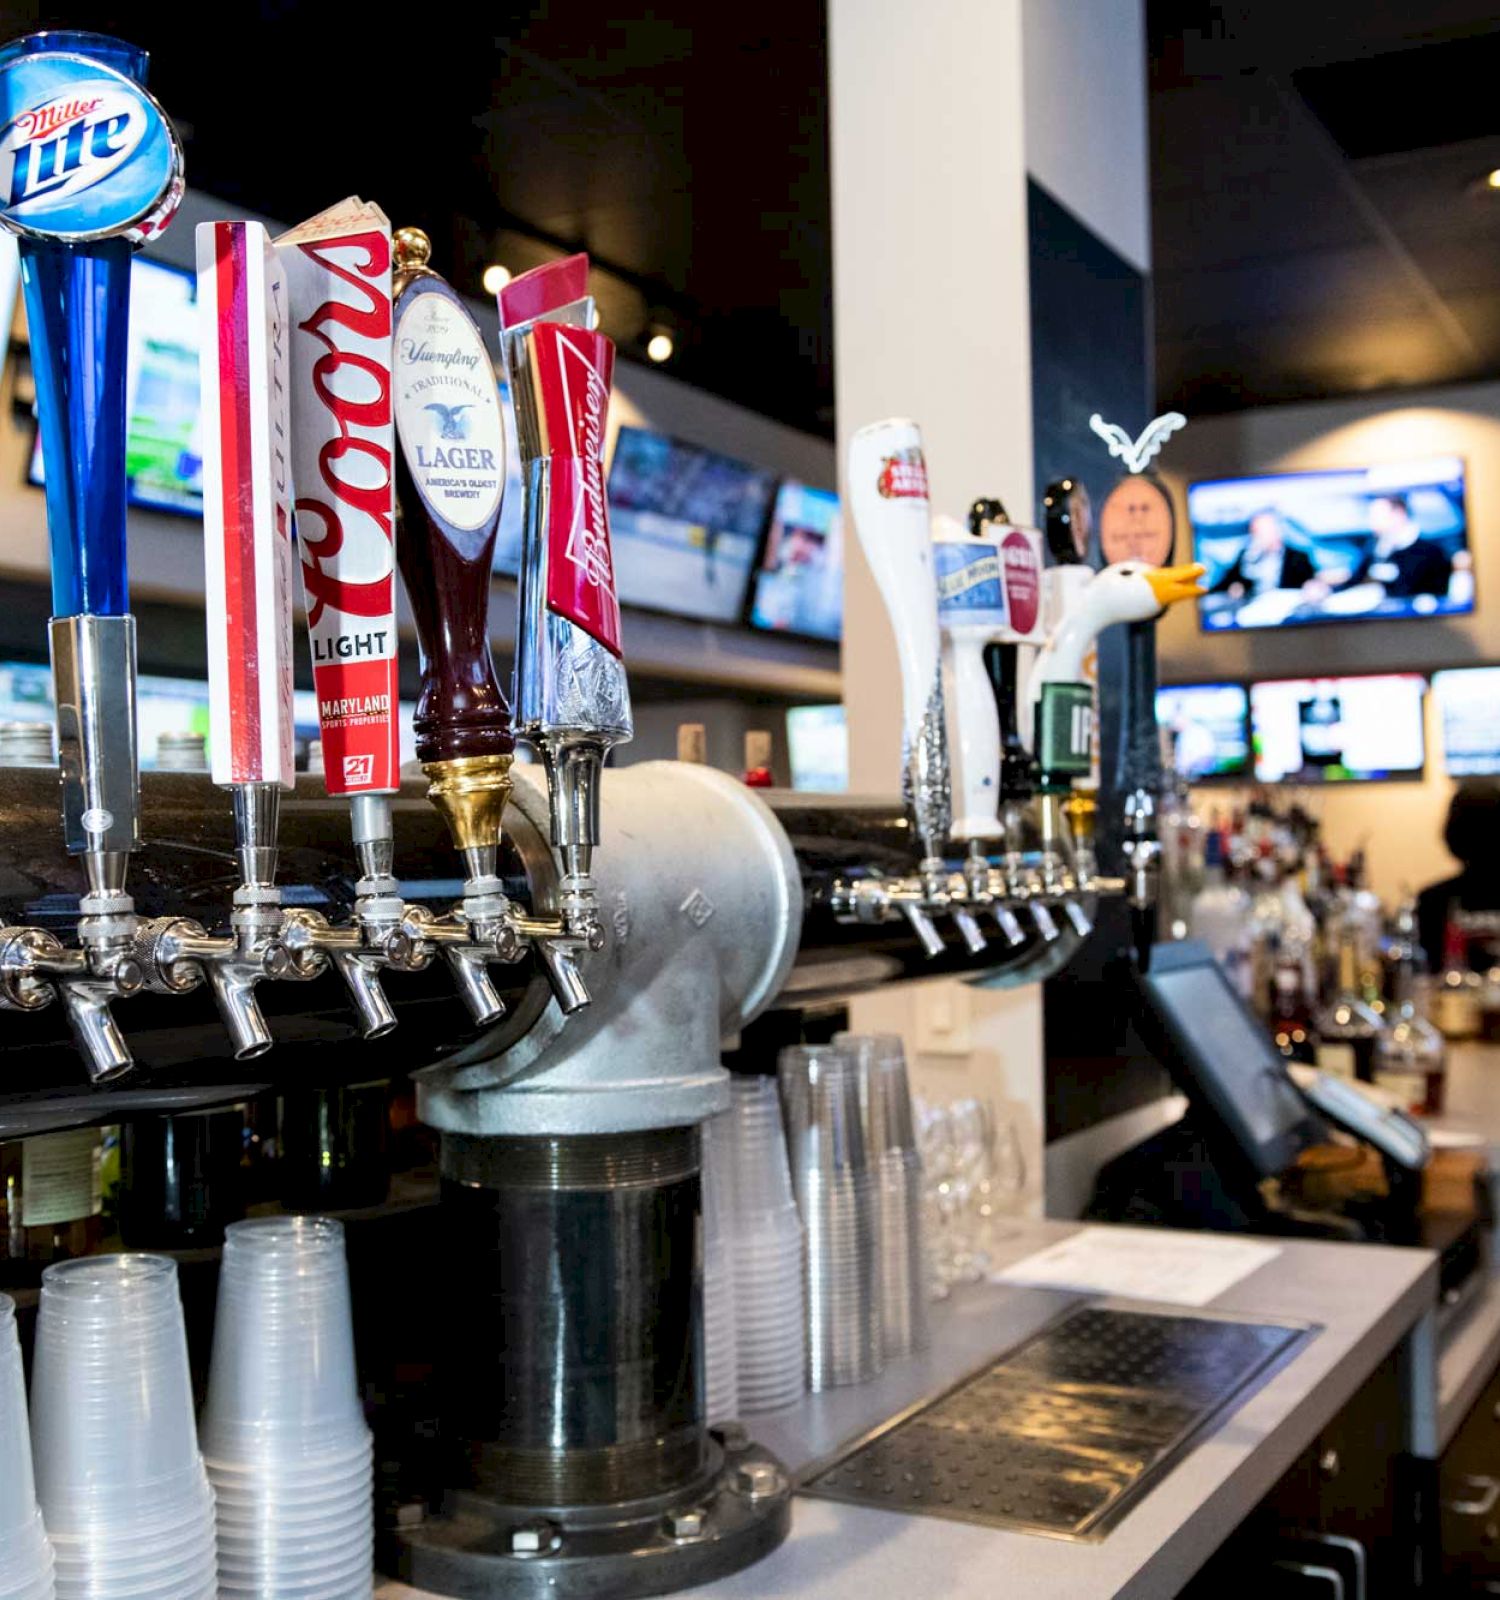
(247, 504)
(893, 519)
(450, 480)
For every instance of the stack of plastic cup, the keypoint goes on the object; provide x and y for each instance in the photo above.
(896, 1163)
(25, 1553)
(122, 1488)
(836, 1196)
(719, 1330)
(771, 1337)
(283, 1432)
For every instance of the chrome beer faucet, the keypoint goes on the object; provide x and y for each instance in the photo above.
(76, 244)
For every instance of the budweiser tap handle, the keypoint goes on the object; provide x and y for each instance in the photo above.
(450, 477)
(892, 516)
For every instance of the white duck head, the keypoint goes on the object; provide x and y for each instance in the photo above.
(1129, 591)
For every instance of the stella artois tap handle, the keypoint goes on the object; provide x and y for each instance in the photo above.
(893, 518)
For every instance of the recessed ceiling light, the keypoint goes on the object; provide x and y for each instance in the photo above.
(659, 347)
(1492, 179)
(495, 278)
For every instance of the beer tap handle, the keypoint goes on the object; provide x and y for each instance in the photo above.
(450, 479)
(892, 516)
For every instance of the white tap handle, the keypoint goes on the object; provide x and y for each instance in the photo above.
(247, 504)
(892, 517)
(975, 745)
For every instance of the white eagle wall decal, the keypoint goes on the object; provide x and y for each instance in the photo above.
(1137, 454)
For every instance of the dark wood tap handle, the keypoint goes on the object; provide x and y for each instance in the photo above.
(450, 481)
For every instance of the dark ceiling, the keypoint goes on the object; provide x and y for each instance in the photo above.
(1316, 226)
(1320, 225)
(684, 145)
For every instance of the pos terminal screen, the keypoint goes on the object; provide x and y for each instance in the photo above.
(1222, 1056)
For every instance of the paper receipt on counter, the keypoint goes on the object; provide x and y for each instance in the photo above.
(1181, 1269)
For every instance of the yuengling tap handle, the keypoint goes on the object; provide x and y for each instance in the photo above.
(450, 481)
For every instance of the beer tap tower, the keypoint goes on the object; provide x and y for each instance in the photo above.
(572, 697)
(247, 544)
(95, 168)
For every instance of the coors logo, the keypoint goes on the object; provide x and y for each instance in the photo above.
(903, 476)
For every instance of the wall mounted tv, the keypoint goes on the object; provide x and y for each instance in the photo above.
(163, 449)
(1210, 728)
(1368, 543)
(686, 524)
(1338, 730)
(800, 585)
(1468, 701)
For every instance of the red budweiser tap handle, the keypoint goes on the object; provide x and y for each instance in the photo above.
(450, 478)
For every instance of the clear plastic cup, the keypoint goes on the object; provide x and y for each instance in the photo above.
(111, 1397)
(282, 1381)
(18, 1508)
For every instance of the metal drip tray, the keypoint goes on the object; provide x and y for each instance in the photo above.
(1062, 1434)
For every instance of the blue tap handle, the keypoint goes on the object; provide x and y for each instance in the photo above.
(89, 168)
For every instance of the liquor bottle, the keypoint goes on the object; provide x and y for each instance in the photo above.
(182, 1178)
(1411, 1055)
(1348, 1029)
(1291, 1016)
(692, 743)
(51, 1196)
(1455, 1006)
(758, 774)
(1220, 916)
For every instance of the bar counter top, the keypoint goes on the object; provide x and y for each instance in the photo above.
(1363, 1299)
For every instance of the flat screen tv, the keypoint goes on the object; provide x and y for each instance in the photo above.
(507, 558)
(686, 524)
(1468, 702)
(1364, 543)
(817, 738)
(1338, 730)
(163, 448)
(799, 587)
(1210, 728)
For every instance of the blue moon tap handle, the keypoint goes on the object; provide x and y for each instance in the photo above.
(90, 167)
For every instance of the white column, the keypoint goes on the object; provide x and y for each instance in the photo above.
(930, 133)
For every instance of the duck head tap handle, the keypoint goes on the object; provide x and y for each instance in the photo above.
(893, 518)
(572, 698)
(450, 480)
(90, 167)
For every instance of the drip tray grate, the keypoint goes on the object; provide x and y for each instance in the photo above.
(1062, 1434)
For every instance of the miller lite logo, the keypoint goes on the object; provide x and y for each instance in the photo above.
(84, 152)
(903, 476)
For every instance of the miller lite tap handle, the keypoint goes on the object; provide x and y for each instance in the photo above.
(247, 504)
(450, 480)
(90, 167)
(893, 519)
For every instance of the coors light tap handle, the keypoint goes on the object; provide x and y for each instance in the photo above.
(892, 515)
(572, 699)
(338, 274)
(450, 479)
